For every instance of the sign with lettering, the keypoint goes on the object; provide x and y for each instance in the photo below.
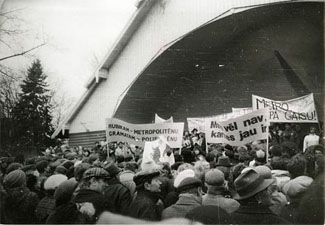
(138, 134)
(298, 110)
(238, 131)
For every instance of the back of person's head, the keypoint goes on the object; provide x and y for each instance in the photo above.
(225, 170)
(276, 150)
(245, 158)
(178, 158)
(278, 163)
(297, 166)
(41, 166)
(132, 166)
(175, 166)
(79, 170)
(185, 166)
(119, 159)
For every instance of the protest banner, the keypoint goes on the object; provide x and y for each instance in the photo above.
(155, 152)
(240, 130)
(298, 110)
(199, 122)
(196, 123)
(158, 119)
(138, 134)
(241, 111)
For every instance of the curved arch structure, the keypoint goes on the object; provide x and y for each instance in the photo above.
(273, 51)
(182, 60)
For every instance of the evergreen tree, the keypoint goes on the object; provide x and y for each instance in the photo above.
(32, 114)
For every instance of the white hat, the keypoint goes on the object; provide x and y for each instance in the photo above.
(182, 175)
(54, 181)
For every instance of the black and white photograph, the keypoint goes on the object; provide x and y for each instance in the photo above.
(162, 112)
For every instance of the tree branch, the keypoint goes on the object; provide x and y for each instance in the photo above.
(22, 53)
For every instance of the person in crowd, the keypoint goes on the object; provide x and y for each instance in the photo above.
(217, 190)
(287, 133)
(278, 199)
(311, 139)
(186, 142)
(259, 158)
(166, 180)
(311, 207)
(279, 166)
(295, 190)
(297, 170)
(146, 204)
(65, 212)
(254, 200)
(190, 195)
(19, 203)
(224, 165)
(288, 145)
(90, 199)
(298, 137)
(127, 175)
(47, 204)
(118, 194)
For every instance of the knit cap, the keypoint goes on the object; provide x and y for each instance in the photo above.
(14, 179)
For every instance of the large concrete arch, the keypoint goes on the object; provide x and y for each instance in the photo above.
(275, 51)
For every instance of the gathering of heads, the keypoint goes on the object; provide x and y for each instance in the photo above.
(279, 181)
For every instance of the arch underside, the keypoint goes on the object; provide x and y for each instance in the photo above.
(274, 51)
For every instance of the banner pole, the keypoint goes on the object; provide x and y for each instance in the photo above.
(267, 144)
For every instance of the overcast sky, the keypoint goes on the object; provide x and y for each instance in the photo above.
(77, 34)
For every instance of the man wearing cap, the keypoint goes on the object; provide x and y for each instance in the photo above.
(47, 204)
(18, 202)
(145, 206)
(254, 200)
(190, 195)
(118, 194)
(90, 199)
(215, 181)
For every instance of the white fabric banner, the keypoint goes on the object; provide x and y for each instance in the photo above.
(138, 134)
(238, 131)
(199, 122)
(157, 151)
(242, 111)
(158, 119)
(298, 110)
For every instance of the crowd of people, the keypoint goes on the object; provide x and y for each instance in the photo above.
(207, 184)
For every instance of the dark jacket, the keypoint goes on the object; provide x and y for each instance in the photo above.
(44, 208)
(119, 196)
(144, 206)
(185, 203)
(256, 214)
(66, 214)
(19, 206)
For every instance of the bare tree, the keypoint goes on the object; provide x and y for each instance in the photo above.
(10, 31)
(9, 83)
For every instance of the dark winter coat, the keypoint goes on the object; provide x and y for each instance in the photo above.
(119, 196)
(66, 214)
(256, 214)
(186, 202)
(144, 206)
(19, 206)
